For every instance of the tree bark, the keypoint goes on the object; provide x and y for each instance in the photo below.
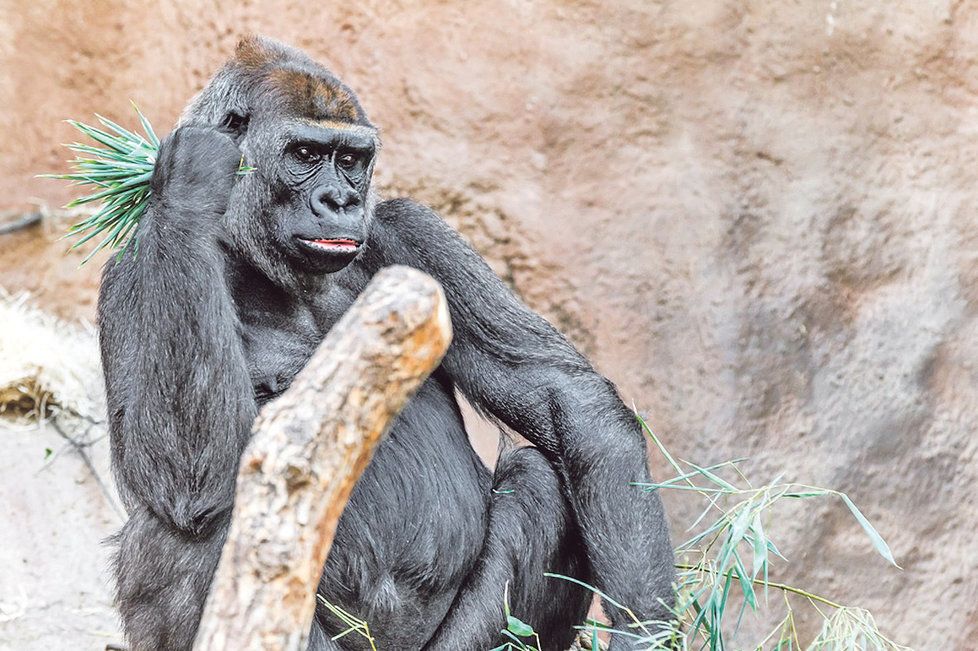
(308, 449)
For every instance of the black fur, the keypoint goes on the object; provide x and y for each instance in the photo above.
(220, 306)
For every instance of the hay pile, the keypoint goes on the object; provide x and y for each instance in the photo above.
(47, 367)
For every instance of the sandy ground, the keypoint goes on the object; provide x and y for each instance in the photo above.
(55, 588)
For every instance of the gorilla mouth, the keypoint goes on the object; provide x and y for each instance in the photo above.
(337, 245)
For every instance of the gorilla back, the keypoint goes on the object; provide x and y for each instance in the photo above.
(234, 283)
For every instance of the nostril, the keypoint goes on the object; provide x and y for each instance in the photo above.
(322, 200)
(352, 199)
(335, 199)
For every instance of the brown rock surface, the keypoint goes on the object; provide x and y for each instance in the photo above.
(758, 218)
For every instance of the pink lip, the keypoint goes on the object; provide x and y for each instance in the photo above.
(335, 245)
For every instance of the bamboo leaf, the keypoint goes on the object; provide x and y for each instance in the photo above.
(881, 547)
(518, 627)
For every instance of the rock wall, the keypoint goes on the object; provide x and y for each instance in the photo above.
(758, 218)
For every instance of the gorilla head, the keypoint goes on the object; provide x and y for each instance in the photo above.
(305, 210)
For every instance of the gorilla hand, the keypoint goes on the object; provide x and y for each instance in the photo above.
(195, 171)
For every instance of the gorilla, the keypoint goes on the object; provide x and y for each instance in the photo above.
(234, 281)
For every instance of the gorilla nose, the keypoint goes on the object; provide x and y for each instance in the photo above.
(333, 199)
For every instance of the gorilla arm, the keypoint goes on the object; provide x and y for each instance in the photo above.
(516, 367)
(180, 398)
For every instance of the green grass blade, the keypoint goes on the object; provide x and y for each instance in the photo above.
(147, 127)
(659, 445)
(881, 547)
(110, 141)
(716, 479)
(589, 587)
(518, 627)
(125, 134)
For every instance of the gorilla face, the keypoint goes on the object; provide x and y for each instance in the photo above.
(306, 208)
(319, 213)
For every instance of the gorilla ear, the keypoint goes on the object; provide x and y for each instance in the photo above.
(236, 125)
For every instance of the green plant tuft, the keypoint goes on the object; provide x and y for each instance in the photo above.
(119, 172)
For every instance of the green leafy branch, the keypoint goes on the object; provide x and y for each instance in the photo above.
(729, 559)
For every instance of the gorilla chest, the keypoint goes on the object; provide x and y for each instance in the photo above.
(276, 352)
(417, 517)
(280, 334)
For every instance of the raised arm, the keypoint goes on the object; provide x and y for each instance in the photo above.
(516, 367)
(179, 395)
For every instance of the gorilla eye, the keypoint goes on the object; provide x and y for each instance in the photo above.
(347, 161)
(306, 154)
(235, 122)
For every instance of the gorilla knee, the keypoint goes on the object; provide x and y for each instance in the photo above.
(525, 485)
(530, 516)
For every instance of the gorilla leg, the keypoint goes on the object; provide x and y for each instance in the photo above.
(163, 575)
(530, 532)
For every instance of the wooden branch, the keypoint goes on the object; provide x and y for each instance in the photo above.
(308, 449)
